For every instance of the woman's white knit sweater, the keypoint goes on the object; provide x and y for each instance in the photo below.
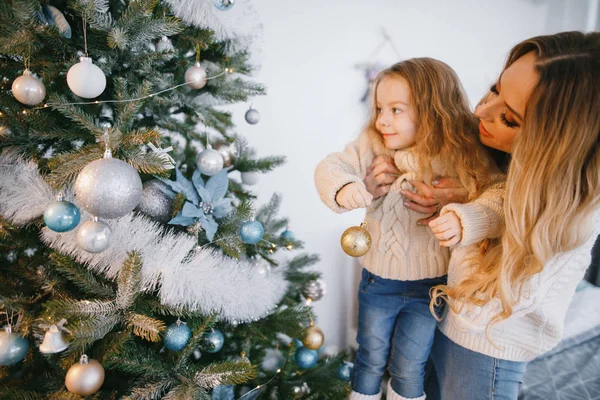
(537, 322)
(401, 249)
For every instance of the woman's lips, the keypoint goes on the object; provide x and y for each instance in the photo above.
(483, 132)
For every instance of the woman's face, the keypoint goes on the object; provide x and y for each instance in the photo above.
(501, 115)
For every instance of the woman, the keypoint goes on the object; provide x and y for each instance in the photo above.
(507, 302)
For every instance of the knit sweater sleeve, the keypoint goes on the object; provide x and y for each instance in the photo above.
(557, 280)
(340, 169)
(484, 216)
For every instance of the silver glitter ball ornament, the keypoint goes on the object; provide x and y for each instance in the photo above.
(94, 236)
(28, 89)
(195, 76)
(314, 290)
(209, 162)
(157, 201)
(252, 116)
(228, 151)
(108, 188)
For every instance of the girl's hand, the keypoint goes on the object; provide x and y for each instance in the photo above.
(447, 229)
(353, 196)
(380, 176)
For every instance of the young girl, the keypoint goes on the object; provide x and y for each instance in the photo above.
(421, 118)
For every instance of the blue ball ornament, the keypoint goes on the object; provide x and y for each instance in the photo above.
(61, 216)
(223, 5)
(288, 236)
(177, 336)
(251, 232)
(13, 347)
(345, 371)
(306, 358)
(213, 341)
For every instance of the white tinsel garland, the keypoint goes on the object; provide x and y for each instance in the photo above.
(200, 279)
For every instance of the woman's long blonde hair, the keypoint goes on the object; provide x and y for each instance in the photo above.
(553, 182)
(446, 128)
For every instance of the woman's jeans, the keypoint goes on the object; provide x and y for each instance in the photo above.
(395, 330)
(463, 374)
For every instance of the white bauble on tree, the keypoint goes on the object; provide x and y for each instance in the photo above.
(108, 188)
(164, 45)
(209, 162)
(28, 89)
(85, 377)
(195, 76)
(94, 236)
(86, 79)
(250, 178)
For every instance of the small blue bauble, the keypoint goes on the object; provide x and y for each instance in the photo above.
(213, 341)
(13, 348)
(223, 5)
(251, 232)
(306, 358)
(288, 236)
(61, 216)
(345, 371)
(177, 336)
(298, 343)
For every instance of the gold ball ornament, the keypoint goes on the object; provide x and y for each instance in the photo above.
(85, 377)
(356, 240)
(313, 337)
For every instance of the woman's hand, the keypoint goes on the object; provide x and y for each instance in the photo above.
(380, 176)
(430, 200)
(447, 229)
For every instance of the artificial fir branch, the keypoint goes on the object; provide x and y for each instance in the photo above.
(225, 373)
(80, 276)
(128, 280)
(145, 327)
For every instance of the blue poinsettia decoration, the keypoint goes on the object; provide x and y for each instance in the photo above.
(205, 202)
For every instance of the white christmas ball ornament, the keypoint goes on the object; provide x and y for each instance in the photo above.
(250, 178)
(195, 76)
(209, 162)
(94, 236)
(28, 89)
(86, 79)
(108, 188)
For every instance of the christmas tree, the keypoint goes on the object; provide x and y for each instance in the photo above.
(134, 261)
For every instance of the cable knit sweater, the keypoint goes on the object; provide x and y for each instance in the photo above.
(401, 249)
(537, 322)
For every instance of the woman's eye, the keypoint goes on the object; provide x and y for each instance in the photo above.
(396, 110)
(507, 122)
(378, 110)
(494, 89)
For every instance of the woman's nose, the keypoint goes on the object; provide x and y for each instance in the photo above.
(485, 111)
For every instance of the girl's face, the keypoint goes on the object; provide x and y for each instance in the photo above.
(501, 115)
(395, 120)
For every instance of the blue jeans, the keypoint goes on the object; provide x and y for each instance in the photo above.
(463, 374)
(395, 330)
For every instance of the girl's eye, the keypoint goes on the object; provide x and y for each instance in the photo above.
(494, 89)
(505, 121)
(378, 110)
(396, 110)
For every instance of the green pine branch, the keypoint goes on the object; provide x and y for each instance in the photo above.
(225, 373)
(80, 276)
(128, 280)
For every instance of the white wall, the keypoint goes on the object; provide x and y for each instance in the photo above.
(312, 107)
